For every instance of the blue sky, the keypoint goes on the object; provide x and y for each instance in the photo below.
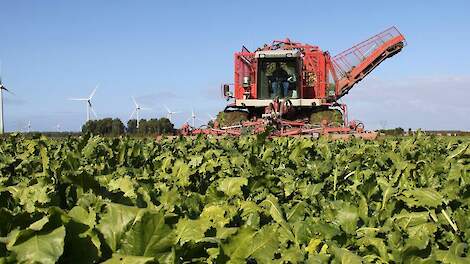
(179, 52)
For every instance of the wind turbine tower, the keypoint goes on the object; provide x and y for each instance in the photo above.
(89, 105)
(193, 118)
(170, 113)
(137, 110)
(2, 88)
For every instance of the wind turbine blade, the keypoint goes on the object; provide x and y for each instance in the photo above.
(93, 111)
(4, 88)
(132, 115)
(1, 83)
(93, 93)
(78, 99)
(167, 109)
(145, 108)
(135, 102)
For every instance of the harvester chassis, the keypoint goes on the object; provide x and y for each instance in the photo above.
(274, 125)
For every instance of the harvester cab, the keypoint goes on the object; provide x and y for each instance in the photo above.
(278, 74)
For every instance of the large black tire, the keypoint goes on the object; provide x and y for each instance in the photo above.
(230, 118)
(334, 117)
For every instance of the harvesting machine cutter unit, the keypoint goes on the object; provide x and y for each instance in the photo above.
(294, 88)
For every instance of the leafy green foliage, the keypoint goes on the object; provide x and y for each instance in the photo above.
(256, 200)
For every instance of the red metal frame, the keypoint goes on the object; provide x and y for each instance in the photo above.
(244, 66)
(284, 128)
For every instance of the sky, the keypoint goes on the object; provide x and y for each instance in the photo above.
(177, 53)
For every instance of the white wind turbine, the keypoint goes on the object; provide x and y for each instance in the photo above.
(137, 110)
(170, 113)
(2, 88)
(89, 106)
(193, 118)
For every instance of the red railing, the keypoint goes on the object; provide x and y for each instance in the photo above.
(350, 58)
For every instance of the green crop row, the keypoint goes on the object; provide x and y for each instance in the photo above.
(247, 200)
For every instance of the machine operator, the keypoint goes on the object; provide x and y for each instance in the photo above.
(280, 79)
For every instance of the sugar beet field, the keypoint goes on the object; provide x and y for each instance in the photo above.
(224, 200)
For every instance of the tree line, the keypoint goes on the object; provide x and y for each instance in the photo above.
(115, 127)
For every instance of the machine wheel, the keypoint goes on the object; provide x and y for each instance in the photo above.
(334, 117)
(230, 118)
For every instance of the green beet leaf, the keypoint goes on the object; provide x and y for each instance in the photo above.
(41, 248)
(124, 259)
(232, 186)
(148, 236)
(115, 222)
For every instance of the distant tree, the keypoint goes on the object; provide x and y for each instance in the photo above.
(132, 126)
(89, 127)
(105, 126)
(393, 132)
(117, 127)
(142, 127)
(165, 126)
(158, 126)
(153, 126)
